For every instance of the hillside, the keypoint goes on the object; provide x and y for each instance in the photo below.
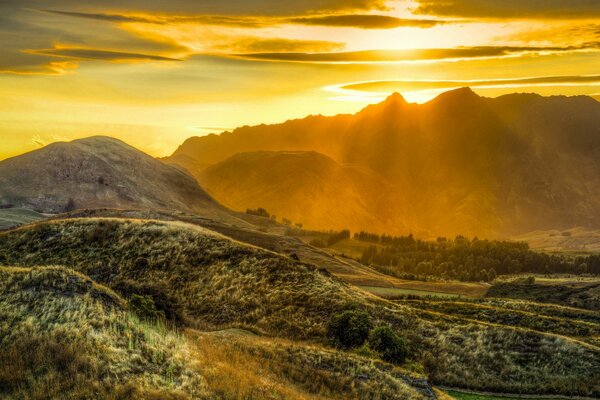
(64, 336)
(460, 163)
(205, 281)
(312, 184)
(96, 172)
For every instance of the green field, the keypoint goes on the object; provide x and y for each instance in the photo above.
(470, 396)
(392, 292)
(12, 217)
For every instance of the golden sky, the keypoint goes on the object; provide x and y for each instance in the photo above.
(154, 73)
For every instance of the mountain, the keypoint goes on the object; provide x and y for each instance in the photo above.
(300, 186)
(97, 172)
(460, 163)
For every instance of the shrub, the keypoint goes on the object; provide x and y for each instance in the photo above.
(144, 306)
(349, 329)
(388, 344)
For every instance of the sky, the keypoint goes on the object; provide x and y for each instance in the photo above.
(154, 73)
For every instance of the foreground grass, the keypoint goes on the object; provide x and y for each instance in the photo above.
(470, 396)
(207, 281)
(245, 366)
(63, 336)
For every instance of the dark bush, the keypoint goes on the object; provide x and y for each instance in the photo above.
(349, 329)
(144, 307)
(388, 344)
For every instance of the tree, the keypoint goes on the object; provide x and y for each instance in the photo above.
(349, 329)
(388, 344)
(70, 206)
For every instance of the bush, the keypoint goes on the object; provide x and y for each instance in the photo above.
(144, 306)
(388, 344)
(349, 329)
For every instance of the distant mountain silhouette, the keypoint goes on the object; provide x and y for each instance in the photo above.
(96, 172)
(460, 163)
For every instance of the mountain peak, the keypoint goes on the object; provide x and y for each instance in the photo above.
(456, 96)
(395, 98)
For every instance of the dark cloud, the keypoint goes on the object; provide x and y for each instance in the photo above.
(365, 21)
(362, 21)
(560, 9)
(95, 54)
(189, 7)
(224, 20)
(397, 85)
(410, 55)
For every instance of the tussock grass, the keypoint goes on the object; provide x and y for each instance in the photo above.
(63, 336)
(245, 366)
(207, 281)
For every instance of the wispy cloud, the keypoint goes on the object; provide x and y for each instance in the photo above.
(97, 54)
(361, 21)
(512, 9)
(398, 85)
(374, 56)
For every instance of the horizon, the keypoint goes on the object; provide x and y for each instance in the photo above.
(76, 70)
(214, 131)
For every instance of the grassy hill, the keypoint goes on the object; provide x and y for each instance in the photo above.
(11, 217)
(207, 281)
(64, 336)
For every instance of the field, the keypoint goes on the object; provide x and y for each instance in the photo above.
(579, 292)
(229, 284)
(11, 217)
(471, 396)
(387, 292)
(574, 241)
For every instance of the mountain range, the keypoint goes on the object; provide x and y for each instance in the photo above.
(460, 163)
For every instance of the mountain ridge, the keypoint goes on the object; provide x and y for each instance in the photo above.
(460, 163)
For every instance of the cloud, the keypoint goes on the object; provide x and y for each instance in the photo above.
(362, 21)
(219, 20)
(365, 21)
(259, 45)
(191, 7)
(400, 85)
(370, 56)
(514, 9)
(96, 54)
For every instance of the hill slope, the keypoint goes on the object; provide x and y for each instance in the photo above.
(460, 163)
(209, 281)
(300, 186)
(96, 172)
(63, 336)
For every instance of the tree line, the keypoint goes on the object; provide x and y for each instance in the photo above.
(465, 259)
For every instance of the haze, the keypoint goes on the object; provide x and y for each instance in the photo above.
(156, 73)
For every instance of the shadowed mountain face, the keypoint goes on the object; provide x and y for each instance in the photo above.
(97, 172)
(301, 186)
(457, 164)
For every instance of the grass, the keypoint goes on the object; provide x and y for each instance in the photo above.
(11, 217)
(528, 318)
(387, 292)
(64, 336)
(207, 281)
(583, 293)
(472, 396)
(245, 366)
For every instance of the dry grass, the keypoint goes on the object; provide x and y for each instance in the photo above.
(213, 282)
(63, 336)
(251, 367)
